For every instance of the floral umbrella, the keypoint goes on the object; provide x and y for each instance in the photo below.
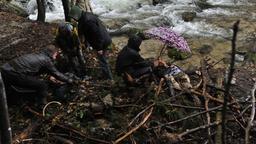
(169, 37)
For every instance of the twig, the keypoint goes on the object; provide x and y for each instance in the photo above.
(245, 109)
(132, 121)
(184, 106)
(134, 129)
(187, 117)
(228, 84)
(31, 139)
(204, 73)
(126, 105)
(159, 87)
(199, 128)
(212, 98)
(74, 130)
(250, 121)
(33, 111)
(206, 95)
(161, 51)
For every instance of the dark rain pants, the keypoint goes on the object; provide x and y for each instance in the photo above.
(27, 82)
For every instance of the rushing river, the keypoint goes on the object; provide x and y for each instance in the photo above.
(142, 14)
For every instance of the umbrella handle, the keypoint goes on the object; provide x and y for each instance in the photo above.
(161, 52)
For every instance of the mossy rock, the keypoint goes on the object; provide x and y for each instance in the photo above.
(178, 55)
(205, 49)
(188, 16)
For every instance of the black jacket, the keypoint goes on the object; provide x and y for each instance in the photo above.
(94, 31)
(33, 65)
(129, 60)
(69, 44)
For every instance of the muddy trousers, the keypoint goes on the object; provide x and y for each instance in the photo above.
(105, 65)
(27, 82)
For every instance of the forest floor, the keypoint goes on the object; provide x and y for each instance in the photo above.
(96, 112)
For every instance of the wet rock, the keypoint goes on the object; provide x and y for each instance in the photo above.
(108, 100)
(115, 24)
(205, 49)
(155, 2)
(125, 31)
(188, 16)
(203, 4)
(239, 58)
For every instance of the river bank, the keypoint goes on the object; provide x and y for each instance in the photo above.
(99, 113)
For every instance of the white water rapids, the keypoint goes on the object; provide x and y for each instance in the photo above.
(142, 14)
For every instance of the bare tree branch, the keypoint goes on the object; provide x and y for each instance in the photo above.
(228, 84)
(250, 121)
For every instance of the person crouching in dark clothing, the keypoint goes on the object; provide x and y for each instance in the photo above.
(68, 41)
(95, 34)
(130, 62)
(25, 70)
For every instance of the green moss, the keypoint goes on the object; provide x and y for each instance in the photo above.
(251, 57)
(177, 55)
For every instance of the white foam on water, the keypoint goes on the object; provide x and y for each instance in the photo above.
(56, 14)
(141, 14)
(229, 2)
(201, 28)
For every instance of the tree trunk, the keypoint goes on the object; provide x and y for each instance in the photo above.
(5, 129)
(66, 7)
(41, 10)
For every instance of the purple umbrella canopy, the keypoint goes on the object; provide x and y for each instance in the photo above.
(169, 37)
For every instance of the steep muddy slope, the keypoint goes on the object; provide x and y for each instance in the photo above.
(20, 36)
